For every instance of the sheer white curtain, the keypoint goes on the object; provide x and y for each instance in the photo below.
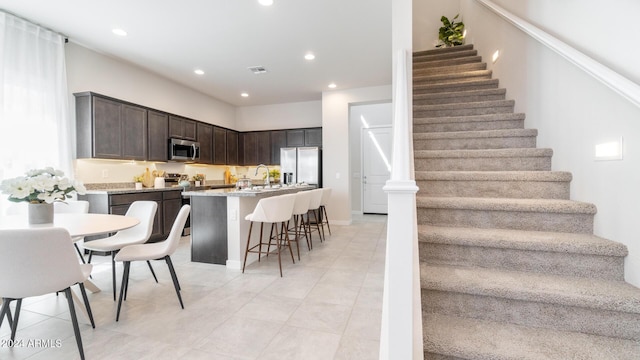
(35, 126)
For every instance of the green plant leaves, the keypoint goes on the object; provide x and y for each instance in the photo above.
(451, 33)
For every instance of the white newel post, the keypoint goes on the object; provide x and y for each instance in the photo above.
(401, 330)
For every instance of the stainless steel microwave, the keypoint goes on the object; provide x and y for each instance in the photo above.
(184, 150)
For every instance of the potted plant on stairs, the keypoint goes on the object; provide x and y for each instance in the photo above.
(451, 33)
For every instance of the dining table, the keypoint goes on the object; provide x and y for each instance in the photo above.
(78, 225)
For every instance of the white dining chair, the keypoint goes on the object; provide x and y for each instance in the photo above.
(145, 212)
(35, 262)
(73, 207)
(153, 251)
(276, 210)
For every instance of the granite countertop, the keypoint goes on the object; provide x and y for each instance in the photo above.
(129, 190)
(248, 193)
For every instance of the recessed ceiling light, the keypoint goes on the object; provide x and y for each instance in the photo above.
(266, 2)
(119, 32)
(309, 56)
(244, 94)
(198, 71)
(332, 86)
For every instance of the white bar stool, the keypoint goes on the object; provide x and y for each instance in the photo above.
(274, 210)
(324, 219)
(314, 208)
(300, 207)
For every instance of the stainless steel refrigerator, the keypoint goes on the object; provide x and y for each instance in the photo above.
(303, 163)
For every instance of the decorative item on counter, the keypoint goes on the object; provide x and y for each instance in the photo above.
(233, 179)
(274, 176)
(40, 188)
(243, 183)
(138, 179)
(147, 179)
(198, 178)
(227, 176)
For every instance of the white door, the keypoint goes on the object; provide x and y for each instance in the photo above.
(376, 168)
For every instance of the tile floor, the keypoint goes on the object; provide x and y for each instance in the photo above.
(327, 306)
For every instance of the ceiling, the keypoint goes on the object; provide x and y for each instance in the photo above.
(351, 40)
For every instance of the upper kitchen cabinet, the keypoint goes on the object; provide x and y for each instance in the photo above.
(182, 128)
(295, 137)
(205, 138)
(158, 134)
(278, 141)
(263, 146)
(232, 148)
(110, 129)
(313, 137)
(219, 146)
(248, 148)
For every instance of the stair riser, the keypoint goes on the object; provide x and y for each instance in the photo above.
(434, 356)
(443, 50)
(557, 263)
(450, 69)
(516, 220)
(462, 86)
(535, 314)
(484, 164)
(462, 111)
(447, 62)
(469, 126)
(476, 143)
(459, 99)
(444, 56)
(497, 189)
(449, 79)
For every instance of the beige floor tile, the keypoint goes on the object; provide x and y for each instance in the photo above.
(240, 337)
(357, 349)
(293, 343)
(321, 317)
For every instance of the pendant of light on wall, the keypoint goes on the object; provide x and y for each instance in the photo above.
(265, 2)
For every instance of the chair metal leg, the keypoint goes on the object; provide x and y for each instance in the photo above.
(283, 231)
(260, 242)
(175, 278)
(86, 304)
(246, 253)
(296, 233)
(16, 317)
(74, 320)
(278, 247)
(324, 214)
(125, 280)
(6, 311)
(270, 238)
(320, 234)
(79, 253)
(113, 273)
(90, 257)
(152, 272)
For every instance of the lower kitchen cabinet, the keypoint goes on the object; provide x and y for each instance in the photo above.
(169, 203)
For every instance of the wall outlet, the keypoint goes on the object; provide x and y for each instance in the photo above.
(337, 175)
(105, 173)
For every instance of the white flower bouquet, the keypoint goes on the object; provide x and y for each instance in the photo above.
(41, 186)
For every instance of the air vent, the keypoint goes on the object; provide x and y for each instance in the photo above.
(258, 70)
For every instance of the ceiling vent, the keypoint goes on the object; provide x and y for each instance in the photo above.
(258, 70)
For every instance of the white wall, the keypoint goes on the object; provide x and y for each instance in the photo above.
(426, 21)
(279, 116)
(335, 138)
(571, 110)
(375, 115)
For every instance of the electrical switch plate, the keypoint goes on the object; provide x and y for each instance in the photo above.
(337, 175)
(105, 173)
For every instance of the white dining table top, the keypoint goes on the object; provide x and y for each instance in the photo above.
(76, 224)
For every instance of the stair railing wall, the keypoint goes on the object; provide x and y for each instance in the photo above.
(401, 330)
(613, 80)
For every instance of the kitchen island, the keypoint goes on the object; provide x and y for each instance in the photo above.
(218, 228)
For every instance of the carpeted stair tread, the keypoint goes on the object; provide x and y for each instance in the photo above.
(458, 85)
(444, 62)
(556, 206)
(587, 244)
(444, 55)
(552, 176)
(469, 105)
(443, 50)
(447, 69)
(486, 153)
(463, 338)
(458, 94)
(452, 78)
(468, 118)
(552, 289)
(475, 134)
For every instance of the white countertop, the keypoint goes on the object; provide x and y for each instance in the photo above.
(249, 193)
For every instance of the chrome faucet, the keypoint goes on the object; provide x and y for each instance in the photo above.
(267, 181)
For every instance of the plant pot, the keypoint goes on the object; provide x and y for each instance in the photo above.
(138, 186)
(40, 213)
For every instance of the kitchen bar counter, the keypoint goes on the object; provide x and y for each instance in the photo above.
(218, 228)
(127, 190)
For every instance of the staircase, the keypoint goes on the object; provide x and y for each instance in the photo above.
(510, 268)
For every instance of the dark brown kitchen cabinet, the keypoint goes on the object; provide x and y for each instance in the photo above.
(313, 137)
(219, 146)
(110, 129)
(157, 136)
(232, 148)
(248, 148)
(171, 204)
(278, 141)
(205, 138)
(182, 128)
(295, 137)
(263, 147)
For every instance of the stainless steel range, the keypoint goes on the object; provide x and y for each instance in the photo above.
(173, 180)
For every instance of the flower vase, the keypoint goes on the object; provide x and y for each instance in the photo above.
(40, 213)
